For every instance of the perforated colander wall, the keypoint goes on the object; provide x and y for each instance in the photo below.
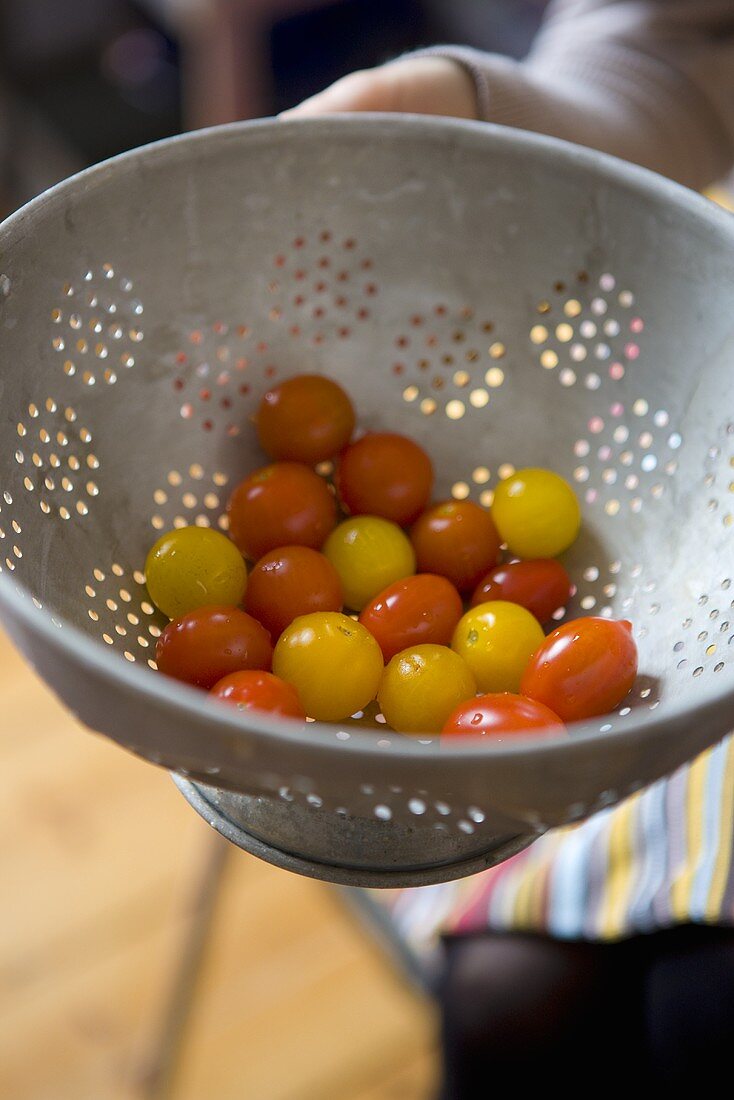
(452, 366)
(494, 344)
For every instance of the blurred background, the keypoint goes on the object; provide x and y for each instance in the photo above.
(81, 80)
(140, 957)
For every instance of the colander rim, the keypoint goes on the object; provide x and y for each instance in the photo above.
(318, 736)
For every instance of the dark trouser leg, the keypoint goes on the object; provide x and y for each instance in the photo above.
(521, 1010)
(527, 1011)
(689, 1005)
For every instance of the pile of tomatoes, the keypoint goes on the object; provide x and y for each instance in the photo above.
(442, 634)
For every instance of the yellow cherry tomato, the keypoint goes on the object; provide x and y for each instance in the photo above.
(332, 661)
(536, 513)
(194, 567)
(368, 553)
(497, 640)
(421, 687)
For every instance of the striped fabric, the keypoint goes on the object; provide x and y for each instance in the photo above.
(660, 858)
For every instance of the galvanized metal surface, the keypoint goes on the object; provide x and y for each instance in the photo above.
(302, 840)
(503, 298)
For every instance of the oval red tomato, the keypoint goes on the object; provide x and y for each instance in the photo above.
(458, 540)
(288, 582)
(542, 586)
(209, 643)
(414, 611)
(307, 418)
(501, 716)
(285, 504)
(254, 690)
(585, 668)
(385, 474)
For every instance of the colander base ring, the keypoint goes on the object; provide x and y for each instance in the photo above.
(199, 797)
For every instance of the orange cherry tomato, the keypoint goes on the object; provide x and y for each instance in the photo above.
(414, 611)
(209, 643)
(261, 691)
(501, 716)
(307, 418)
(385, 474)
(541, 586)
(285, 504)
(458, 540)
(288, 582)
(583, 669)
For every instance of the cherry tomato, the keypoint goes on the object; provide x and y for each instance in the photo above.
(368, 553)
(209, 643)
(497, 639)
(502, 716)
(541, 586)
(413, 611)
(384, 474)
(421, 686)
(289, 582)
(536, 513)
(285, 504)
(584, 668)
(262, 691)
(307, 418)
(333, 663)
(458, 540)
(192, 567)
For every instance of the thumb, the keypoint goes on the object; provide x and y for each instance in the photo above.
(366, 90)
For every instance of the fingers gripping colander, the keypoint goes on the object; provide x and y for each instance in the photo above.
(502, 298)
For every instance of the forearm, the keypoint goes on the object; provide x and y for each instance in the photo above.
(650, 82)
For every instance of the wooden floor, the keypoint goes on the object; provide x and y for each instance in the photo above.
(111, 889)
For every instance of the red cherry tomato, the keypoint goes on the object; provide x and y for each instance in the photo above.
(500, 716)
(305, 419)
(285, 504)
(414, 611)
(289, 582)
(458, 540)
(540, 586)
(209, 643)
(260, 691)
(384, 474)
(583, 669)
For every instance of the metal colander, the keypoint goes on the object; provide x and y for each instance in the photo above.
(506, 300)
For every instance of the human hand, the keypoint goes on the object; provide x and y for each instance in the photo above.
(420, 85)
